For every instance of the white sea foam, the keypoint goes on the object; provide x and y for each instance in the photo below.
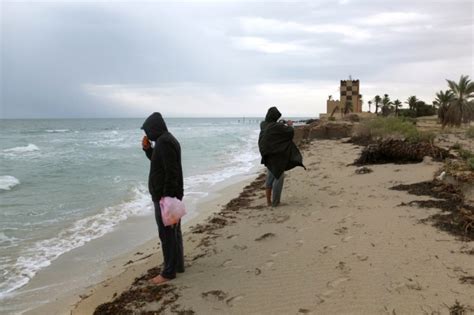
(8, 182)
(57, 130)
(29, 148)
(41, 254)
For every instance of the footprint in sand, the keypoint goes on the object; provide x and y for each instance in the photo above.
(362, 257)
(240, 247)
(226, 263)
(214, 295)
(335, 283)
(265, 236)
(276, 254)
(347, 239)
(269, 264)
(326, 249)
(299, 243)
(231, 301)
(341, 231)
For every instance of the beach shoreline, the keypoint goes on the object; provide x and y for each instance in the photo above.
(147, 250)
(338, 243)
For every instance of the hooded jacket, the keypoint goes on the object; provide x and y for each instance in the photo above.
(166, 174)
(278, 151)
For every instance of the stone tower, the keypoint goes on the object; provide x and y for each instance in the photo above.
(350, 92)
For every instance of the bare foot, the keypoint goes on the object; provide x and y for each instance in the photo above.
(159, 280)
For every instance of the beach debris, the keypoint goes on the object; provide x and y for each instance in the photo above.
(467, 279)
(131, 300)
(457, 309)
(441, 176)
(304, 311)
(264, 236)
(363, 170)
(458, 217)
(258, 271)
(218, 294)
(399, 151)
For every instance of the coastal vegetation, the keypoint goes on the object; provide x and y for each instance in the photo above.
(460, 103)
(454, 106)
(470, 132)
(380, 128)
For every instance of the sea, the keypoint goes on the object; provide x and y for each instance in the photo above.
(65, 183)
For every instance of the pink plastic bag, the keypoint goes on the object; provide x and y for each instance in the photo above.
(172, 209)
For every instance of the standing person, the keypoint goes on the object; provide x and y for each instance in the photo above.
(279, 153)
(165, 180)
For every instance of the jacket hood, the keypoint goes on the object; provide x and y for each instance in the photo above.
(273, 114)
(154, 126)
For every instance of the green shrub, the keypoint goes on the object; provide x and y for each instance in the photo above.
(470, 132)
(457, 146)
(405, 112)
(394, 127)
(470, 163)
(465, 154)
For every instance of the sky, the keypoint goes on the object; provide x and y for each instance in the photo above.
(84, 59)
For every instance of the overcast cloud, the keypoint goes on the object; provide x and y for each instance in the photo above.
(223, 58)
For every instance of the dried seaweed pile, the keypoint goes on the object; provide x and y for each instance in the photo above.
(399, 151)
(457, 218)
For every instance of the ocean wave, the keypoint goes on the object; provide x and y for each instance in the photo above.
(239, 161)
(29, 148)
(57, 130)
(41, 254)
(5, 240)
(8, 182)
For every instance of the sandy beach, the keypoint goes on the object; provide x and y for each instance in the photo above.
(340, 243)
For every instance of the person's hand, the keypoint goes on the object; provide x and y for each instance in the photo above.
(289, 122)
(146, 144)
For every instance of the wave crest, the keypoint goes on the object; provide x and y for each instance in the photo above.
(7, 182)
(29, 148)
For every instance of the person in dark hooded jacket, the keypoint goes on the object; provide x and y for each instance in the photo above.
(165, 180)
(279, 153)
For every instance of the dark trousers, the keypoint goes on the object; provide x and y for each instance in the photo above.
(171, 245)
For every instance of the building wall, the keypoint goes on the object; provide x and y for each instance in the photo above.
(331, 105)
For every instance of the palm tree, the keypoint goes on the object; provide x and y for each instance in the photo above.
(411, 101)
(386, 105)
(397, 105)
(443, 99)
(461, 108)
(377, 100)
(370, 105)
